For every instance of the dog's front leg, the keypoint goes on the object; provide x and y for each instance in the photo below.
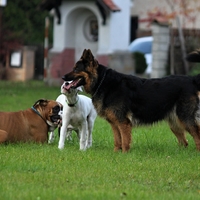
(89, 132)
(83, 136)
(3, 136)
(63, 131)
(51, 137)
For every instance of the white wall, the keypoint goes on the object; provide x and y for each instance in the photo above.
(113, 36)
(120, 26)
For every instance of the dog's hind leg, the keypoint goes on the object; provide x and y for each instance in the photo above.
(3, 136)
(178, 128)
(195, 133)
(180, 134)
(90, 129)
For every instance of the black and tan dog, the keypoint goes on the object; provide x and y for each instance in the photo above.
(32, 124)
(126, 101)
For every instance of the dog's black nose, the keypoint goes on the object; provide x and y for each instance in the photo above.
(64, 78)
(66, 83)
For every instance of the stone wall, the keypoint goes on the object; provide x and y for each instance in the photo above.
(59, 65)
(161, 35)
(122, 61)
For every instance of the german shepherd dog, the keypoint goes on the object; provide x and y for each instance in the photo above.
(126, 101)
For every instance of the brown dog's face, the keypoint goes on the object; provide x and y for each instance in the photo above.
(50, 110)
(84, 72)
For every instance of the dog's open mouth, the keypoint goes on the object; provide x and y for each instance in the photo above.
(72, 84)
(56, 119)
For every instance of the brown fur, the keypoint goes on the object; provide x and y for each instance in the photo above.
(126, 101)
(27, 125)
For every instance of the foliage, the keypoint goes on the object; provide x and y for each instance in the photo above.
(195, 70)
(188, 10)
(24, 20)
(155, 168)
(140, 62)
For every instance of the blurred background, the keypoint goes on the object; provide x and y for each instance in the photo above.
(42, 39)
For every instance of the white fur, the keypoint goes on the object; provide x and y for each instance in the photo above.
(80, 117)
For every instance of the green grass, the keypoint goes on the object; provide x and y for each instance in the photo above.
(155, 168)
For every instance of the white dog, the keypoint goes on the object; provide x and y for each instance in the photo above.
(79, 114)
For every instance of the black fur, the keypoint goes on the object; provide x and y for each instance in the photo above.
(194, 56)
(126, 101)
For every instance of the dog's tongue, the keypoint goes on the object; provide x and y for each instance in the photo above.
(67, 87)
(72, 84)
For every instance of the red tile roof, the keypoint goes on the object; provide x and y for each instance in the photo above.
(113, 7)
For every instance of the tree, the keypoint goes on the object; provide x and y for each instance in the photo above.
(25, 20)
(179, 10)
(22, 23)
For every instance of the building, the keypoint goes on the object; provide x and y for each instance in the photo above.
(100, 25)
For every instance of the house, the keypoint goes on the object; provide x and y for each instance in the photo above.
(100, 25)
(188, 11)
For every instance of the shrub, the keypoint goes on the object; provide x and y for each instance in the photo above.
(140, 62)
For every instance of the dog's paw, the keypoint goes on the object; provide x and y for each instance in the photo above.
(89, 144)
(83, 148)
(50, 141)
(61, 147)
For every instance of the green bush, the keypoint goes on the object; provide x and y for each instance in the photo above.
(140, 62)
(195, 69)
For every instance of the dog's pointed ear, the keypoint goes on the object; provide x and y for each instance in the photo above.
(87, 55)
(41, 102)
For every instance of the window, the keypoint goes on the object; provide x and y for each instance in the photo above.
(91, 29)
(16, 59)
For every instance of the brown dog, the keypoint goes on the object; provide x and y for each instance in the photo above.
(32, 124)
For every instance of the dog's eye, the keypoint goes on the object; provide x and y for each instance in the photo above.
(56, 109)
(79, 67)
(76, 69)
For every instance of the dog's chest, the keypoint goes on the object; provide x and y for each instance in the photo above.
(99, 107)
(75, 116)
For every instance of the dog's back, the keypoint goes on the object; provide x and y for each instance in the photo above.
(10, 121)
(126, 101)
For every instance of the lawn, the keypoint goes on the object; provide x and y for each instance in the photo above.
(155, 168)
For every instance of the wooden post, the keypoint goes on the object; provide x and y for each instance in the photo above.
(182, 41)
(46, 47)
(172, 71)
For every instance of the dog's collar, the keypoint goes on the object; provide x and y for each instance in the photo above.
(36, 111)
(71, 104)
(99, 84)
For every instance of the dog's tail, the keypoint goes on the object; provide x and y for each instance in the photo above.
(194, 56)
(196, 81)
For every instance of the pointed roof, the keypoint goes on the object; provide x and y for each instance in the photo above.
(112, 6)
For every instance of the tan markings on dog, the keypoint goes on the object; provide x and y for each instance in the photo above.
(140, 97)
(121, 131)
(132, 119)
(177, 127)
(195, 132)
(91, 69)
(98, 107)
